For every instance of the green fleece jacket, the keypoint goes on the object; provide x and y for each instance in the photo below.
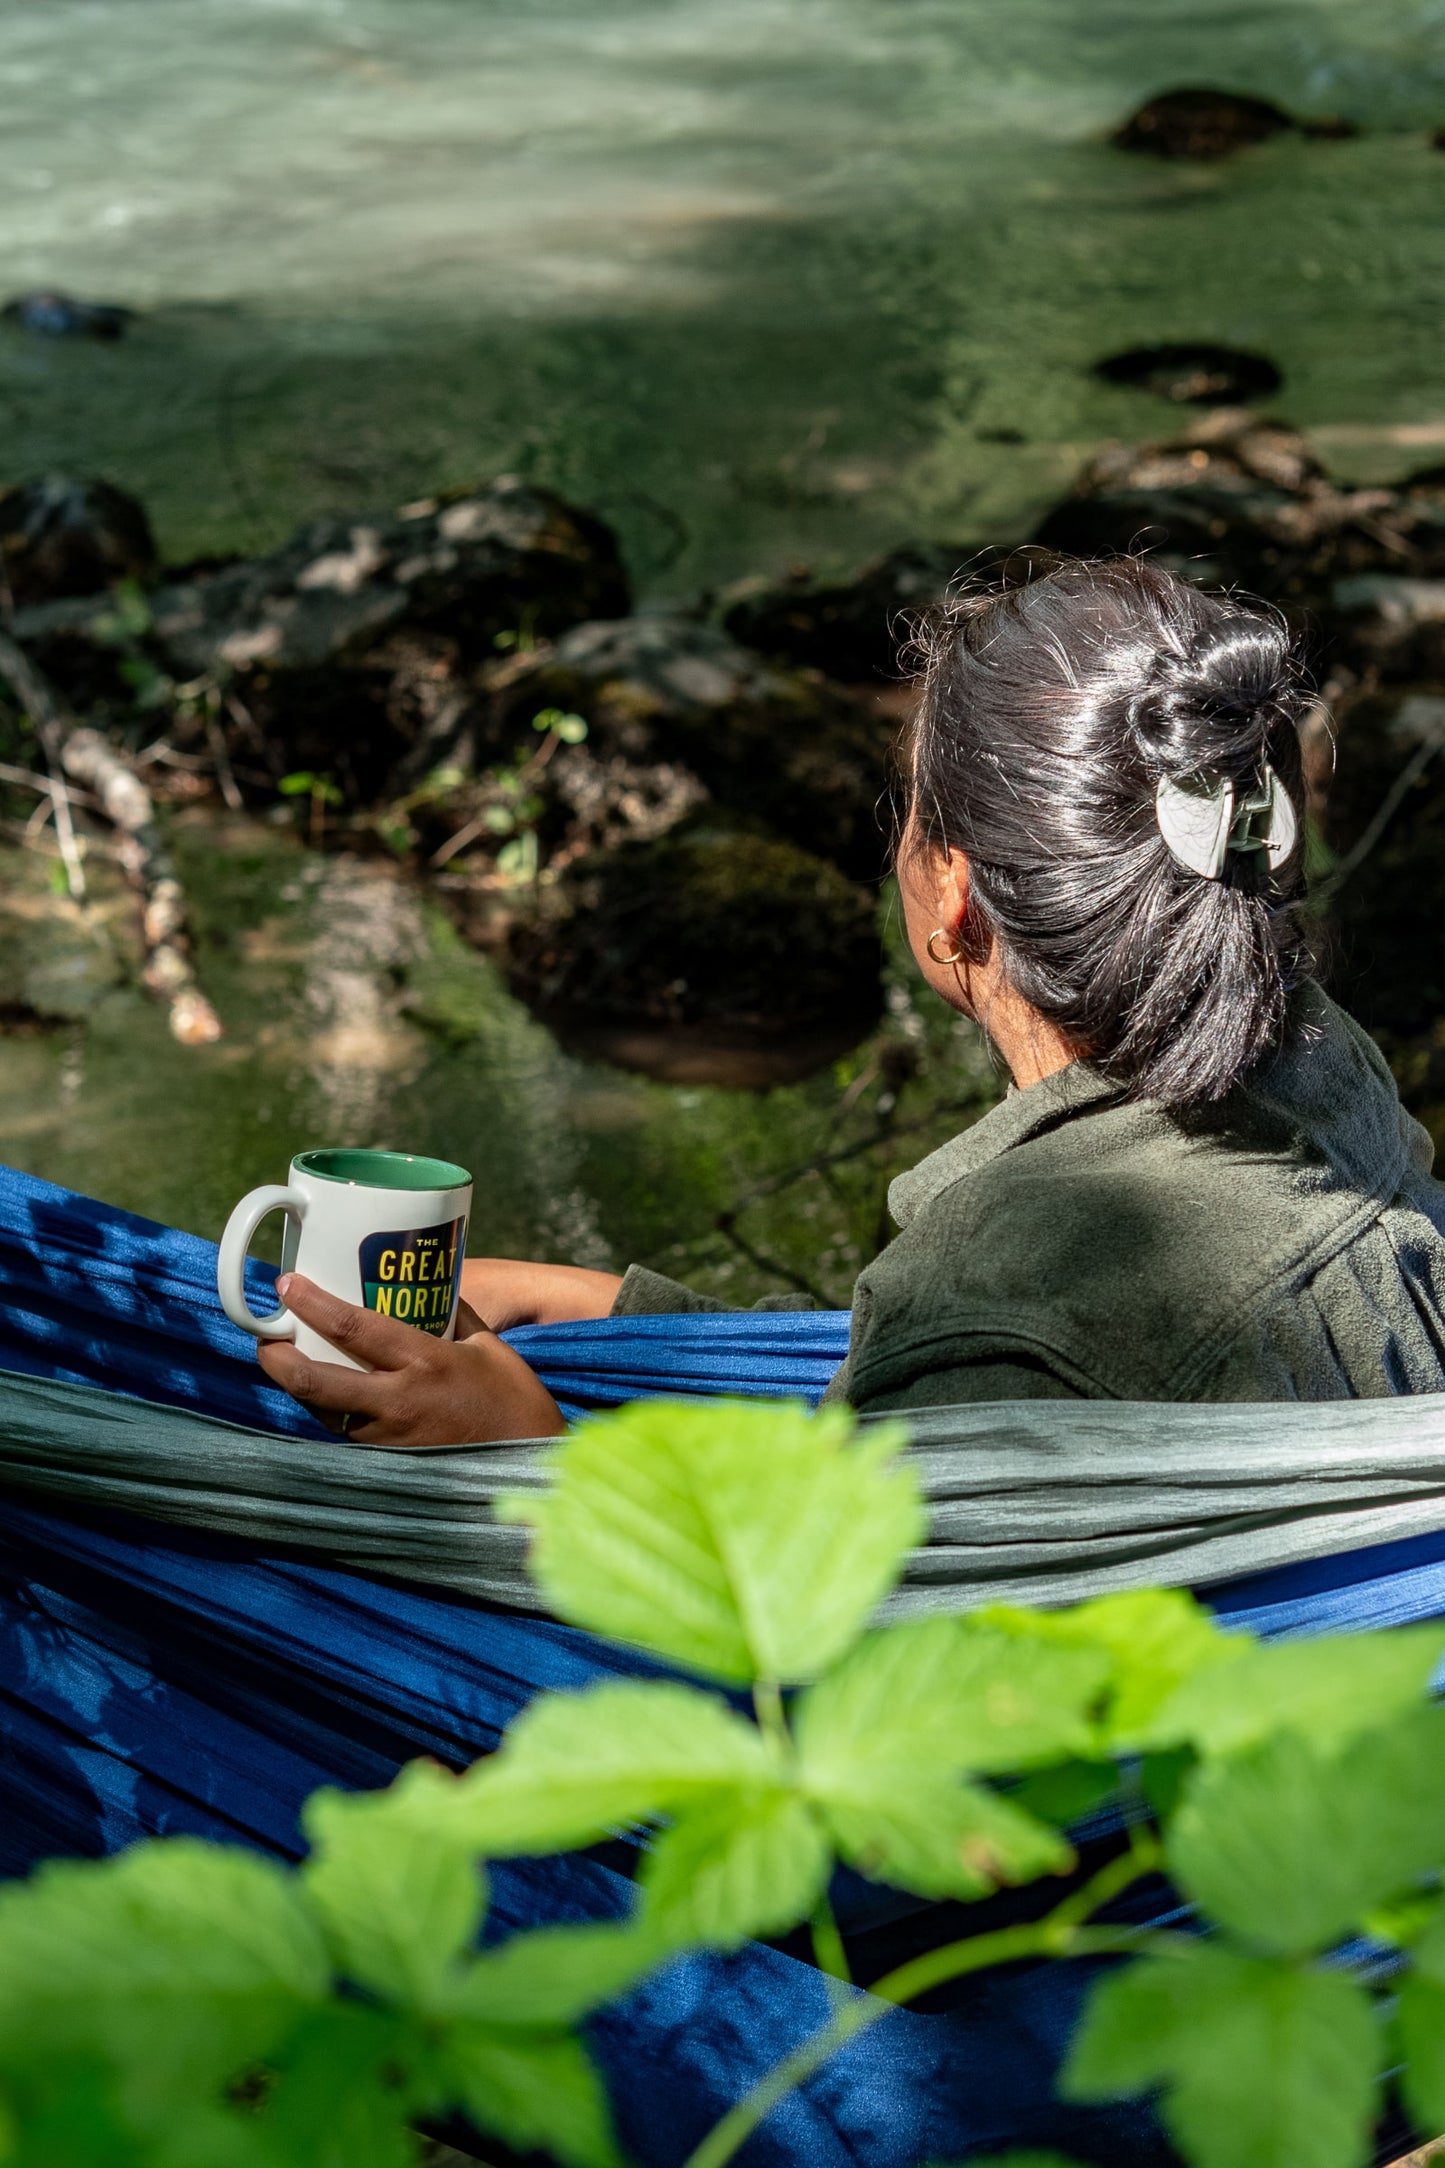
(1287, 1243)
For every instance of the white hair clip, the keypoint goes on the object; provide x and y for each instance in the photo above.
(1202, 821)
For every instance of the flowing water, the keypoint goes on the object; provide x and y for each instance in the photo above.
(763, 280)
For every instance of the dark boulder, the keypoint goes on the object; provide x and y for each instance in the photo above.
(1234, 502)
(733, 940)
(62, 536)
(51, 314)
(782, 749)
(1385, 825)
(1201, 124)
(851, 629)
(349, 651)
(1198, 374)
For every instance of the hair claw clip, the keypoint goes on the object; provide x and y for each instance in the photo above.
(1202, 821)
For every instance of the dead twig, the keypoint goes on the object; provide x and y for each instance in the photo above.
(92, 761)
(47, 718)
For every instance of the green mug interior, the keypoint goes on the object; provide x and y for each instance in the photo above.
(382, 1170)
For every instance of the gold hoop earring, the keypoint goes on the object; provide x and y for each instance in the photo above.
(940, 933)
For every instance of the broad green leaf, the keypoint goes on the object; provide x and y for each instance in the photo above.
(1065, 1795)
(348, 2087)
(1289, 1847)
(398, 1906)
(1420, 2029)
(179, 1962)
(553, 1976)
(1429, 1944)
(1031, 2159)
(1262, 2065)
(76, 2120)
(532, 2094)
(740, 1864)
(745, 1539)
(1155, 1639)
(915, 1828)
(950, 1692)
(575, 1766)
(1329, 1691)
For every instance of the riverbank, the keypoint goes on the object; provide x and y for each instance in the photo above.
(593, 898)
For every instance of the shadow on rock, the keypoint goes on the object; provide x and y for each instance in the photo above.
(708, 956)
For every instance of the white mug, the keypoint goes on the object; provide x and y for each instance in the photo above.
(383, 1229)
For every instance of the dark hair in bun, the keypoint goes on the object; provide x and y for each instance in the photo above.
(1049, 712)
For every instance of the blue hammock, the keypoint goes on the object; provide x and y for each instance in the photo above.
(155, 1682)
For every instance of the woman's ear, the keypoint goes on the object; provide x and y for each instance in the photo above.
(953, 889)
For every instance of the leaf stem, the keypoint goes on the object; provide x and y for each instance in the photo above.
(768, 1708)
(828, 1952)
(1060, 1933)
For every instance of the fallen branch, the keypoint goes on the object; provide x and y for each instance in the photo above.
(92, 761)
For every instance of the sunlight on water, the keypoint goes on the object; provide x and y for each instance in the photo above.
(764, 278)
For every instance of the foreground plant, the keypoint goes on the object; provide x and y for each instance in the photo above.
(185, 2002)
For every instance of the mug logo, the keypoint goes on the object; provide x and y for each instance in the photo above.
(413, 1274)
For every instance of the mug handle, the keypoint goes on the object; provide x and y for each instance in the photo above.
(231, 1260)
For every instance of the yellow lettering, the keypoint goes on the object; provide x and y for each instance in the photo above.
(386, 1266)
(408, 1263)
(404, 1300)
(383, 1301)
(425, 1260)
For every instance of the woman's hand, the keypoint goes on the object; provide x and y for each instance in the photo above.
(509, 1291)
(420, 1391)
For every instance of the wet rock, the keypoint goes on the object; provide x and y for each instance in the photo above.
(59, 959)
(51, 314)
(851, 629)
(1393, 625)
(1200, 124)
(1385, 826)
(61, 535)
(1236, 502)
(731, 938)
(352, 645)
(784, 749)
(1200, 374)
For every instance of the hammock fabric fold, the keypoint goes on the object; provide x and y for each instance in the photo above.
(204, 1676)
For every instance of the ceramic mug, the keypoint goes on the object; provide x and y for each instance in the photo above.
(387, 1229)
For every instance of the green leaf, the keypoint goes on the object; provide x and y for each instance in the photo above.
(178, 1962)
(1330, 1691)
(1065, 1795)
(1420, 2029)
(575, 1766)
(348, 2088)
(1154, 1638)
(1289, 1847)
(955, 1693)
(1429, 1945)
(532, 2093)
(397, 1905)
(746, 1863)
(745, 1539)
(883, 1739)
(912, 1827)
(1262, 2065)
(552, 1977)
(1031, 2159)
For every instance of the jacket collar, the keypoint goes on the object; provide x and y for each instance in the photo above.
(1327, 1093)
(1023, 1114)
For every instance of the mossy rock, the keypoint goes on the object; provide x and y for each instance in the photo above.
(740, 933)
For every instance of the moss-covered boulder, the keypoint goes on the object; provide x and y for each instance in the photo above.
(752, 939)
